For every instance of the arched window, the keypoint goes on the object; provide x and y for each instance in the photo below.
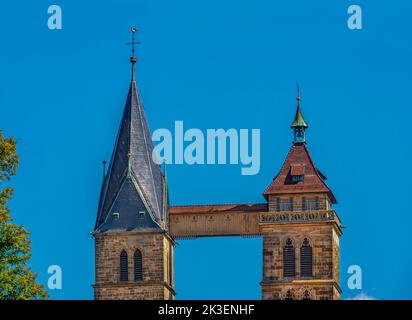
(288, 260)
(306, 295)
(138, 270)
(124, 270)
(306, 259)
(289, 295)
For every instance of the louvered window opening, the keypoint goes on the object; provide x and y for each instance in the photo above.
(289, 260)
(297, 178)
(124, 270)
(306, 260)
(138, 268)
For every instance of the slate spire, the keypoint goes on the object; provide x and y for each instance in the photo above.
(134, 195)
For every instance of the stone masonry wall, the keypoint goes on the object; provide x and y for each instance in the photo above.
(325, 253)
(316, 292)
(155, 254)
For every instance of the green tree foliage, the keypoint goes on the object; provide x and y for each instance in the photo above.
(17, 281)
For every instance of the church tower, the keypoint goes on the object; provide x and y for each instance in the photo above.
(300, 230)
(133, 248)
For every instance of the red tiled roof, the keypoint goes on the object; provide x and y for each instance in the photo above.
(298, 158)
(217, 208)
(297, 169)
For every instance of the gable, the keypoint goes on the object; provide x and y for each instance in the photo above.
(129, 211)
(298, 163)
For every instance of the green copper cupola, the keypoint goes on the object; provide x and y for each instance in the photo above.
(299, 124)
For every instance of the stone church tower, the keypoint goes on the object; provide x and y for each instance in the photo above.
(133, 249)
(301, 237)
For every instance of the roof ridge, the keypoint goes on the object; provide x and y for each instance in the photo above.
(218, 204)
(284, 162)
(316, 169)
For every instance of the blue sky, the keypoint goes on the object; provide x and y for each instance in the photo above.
(212, 64)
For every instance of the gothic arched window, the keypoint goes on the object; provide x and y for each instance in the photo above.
(138, 269)
(124, 270)
(288, 260)
(306, 259)
(306, 295)
(289, 295)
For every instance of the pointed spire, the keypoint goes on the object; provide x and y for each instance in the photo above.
(134, 181)
(299, 124)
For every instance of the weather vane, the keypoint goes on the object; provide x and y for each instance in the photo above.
(133, 43)
(133, 57)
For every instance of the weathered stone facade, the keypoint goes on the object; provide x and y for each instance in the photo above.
(133, 248)
(324, 240)
(157, 266)
(321, 290)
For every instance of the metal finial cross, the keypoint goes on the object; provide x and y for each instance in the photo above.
(298, 92)
(133, 42)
